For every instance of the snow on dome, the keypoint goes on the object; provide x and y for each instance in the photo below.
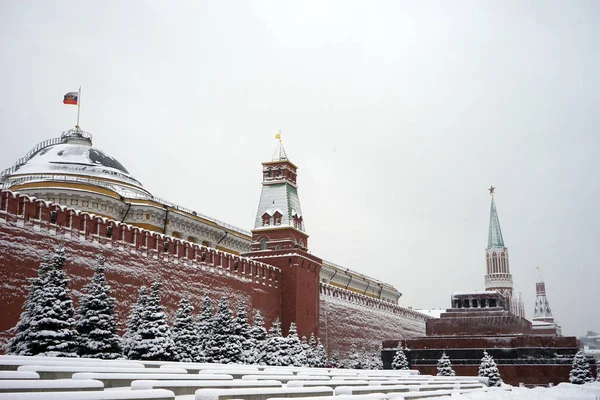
(76, 158)
(70, 155)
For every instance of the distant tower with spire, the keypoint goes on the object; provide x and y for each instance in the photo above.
(543, 320)
(498, 276)
(279, 238)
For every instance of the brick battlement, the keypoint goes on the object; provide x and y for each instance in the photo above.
(369, 302)
(63, 221)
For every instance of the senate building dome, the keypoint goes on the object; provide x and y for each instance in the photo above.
(72, 158)
(70, 171)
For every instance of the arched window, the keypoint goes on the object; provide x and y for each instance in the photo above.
(495, 263)
(263, 243)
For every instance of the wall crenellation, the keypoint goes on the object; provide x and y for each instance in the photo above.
(356, 298)
(23, 209)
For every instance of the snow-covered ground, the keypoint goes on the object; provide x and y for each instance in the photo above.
(155, 380)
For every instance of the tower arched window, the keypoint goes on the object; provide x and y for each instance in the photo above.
(263, 244)
(495, 263)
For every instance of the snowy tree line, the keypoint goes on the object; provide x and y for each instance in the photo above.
(49, 325)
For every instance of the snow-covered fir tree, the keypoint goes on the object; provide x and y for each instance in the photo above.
(489, 369)
(321, 355)
(184, 333)
(224, 346)
(353, 358)
(365, 359)
(444, 366)
(19, 343)
(400, 361)
(580, 373)
(374, 358)
(335, 360)
(96, 322)
(51, 325)
(133, 325)
(204, 326)
(242, 330)
(311, 351)
(258, 335)
(275, 348)
(306, 349)
(379, 359)
(295, 349)
(153, 339)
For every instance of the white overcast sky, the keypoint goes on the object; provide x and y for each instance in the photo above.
(399, 114)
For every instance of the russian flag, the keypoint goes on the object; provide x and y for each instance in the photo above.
(71, 98)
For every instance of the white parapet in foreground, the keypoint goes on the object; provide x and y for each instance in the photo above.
(189, 387)
(19, 375)
(260, 393)
(284, 378)
(155, 394)
(112, 380)
(332, 383)
(33, 385)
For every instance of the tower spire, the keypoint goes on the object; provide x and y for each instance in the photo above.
(542, 307)
(279, 154)
(543, 320)
(498, 276)
(495, 238)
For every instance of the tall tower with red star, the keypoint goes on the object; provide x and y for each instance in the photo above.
(498, 276)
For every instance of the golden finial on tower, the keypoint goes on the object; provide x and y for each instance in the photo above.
(538, 268)
(278, 135)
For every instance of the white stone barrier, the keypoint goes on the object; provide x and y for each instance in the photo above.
(261, 393)
(332, 383)
(8, 364)
(66, 371)
(19, 375)
(56, 385)
(285, 378)
(112, 380)
(186, 387)
(237, 373)
(155, 394)
(351, 390)
(374, 396)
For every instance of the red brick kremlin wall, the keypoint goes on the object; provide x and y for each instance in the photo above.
(350, 318)
(134, 257)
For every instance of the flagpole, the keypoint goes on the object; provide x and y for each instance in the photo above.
(78, 106)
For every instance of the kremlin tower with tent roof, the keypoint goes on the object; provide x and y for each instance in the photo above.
(498, 276)
(543, 322)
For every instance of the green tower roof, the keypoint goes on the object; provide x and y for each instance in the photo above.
(495, 239)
